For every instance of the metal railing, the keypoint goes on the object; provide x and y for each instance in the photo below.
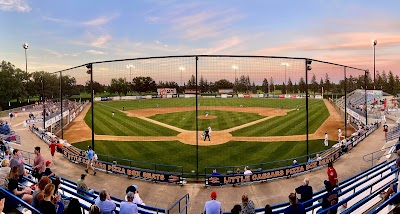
(386, 203)
(181, 208)
(372, 154)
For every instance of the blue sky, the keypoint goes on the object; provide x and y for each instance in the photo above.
(63, 34)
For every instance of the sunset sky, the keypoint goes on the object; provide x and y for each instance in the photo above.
(63, 34)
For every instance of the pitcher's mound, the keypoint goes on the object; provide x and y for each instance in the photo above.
(208, 117)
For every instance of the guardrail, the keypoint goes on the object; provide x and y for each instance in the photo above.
(386, 203)
(181, 209)
(378, 151)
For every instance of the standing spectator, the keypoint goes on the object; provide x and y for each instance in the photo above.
(237, 209)
(38, 164)
(135, 189)
(17, 160)
(247, 205)
(295, 207)
(74, 207)
(25, 193)
(330, 198)
(59, 147)
(4, 172)
(128, 207)
(81, 185)
(247, 171)
(89, 155)
(213, 206)
(104, 202)
(305, 192)
(53, 147)
(326, 141)
(46, 206)
(332, 175)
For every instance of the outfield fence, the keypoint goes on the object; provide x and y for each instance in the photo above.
(146, 93)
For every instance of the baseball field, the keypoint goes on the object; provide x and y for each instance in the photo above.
(244, 131)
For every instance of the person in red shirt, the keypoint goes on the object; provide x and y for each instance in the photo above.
(332, 175)
(52, 147)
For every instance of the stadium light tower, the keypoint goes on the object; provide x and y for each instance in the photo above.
(130, 66)
(374, 42)
(25, 46)
(181, 68)
(286, 65)
(235, 67)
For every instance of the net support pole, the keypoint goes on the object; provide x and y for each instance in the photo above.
(197, 125)
(345, 102)
(61, 103)
(306, 69)
(365, 92)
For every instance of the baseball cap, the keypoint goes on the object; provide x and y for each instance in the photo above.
(132, 188)
(48, 163)
(213, 195)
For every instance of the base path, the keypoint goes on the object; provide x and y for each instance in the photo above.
(330, 126)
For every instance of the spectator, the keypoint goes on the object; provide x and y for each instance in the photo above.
(295, 207)
(332, 175)
(104, 202)
(53, 147)
(237, 209)
(74, 207)
(396, 210)
(17, 160)
(135, 190)
(268, 209)
(247, 205)
(319, 157)
(305, 192)
(215, 173)
(2, 202)
(46, 206)
(295, 163)
(38, 164)
(330, 198)
(81, 185)
(90, 154)
(25, 193)
(4, 172)
(57, 183)
(94, 209)
(128, 207)
(392, 189)
(47, 171)
(247, 171)
(38, 194)
(59, 147)
(213, 206)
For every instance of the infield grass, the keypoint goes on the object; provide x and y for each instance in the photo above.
(228, 154)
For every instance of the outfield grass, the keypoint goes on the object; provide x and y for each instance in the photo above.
(225, 119)
(228, 154)
(180, 102)
(122, 125)
(294, 123)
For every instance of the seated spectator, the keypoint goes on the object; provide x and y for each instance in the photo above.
(128, 206)
(38, 194)
(268, 209)
(295, 163)
(318, 157)
(295, 207)
(213, 206)
(94, 209)
(47, 171)
(392, 189)
(237, 209)
(81, 185)
(4, 172)
(134, 189)
(247, 205)
(22, 192)
(46, 206)
(247, 171)
(104, 202)
(74, 207)
(57, 183)
(330, 198)
(215, 173)
(398, 145)
(305, 192)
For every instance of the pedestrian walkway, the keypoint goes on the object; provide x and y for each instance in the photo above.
(164, 195)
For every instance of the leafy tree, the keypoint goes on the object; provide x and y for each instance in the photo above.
(327, 83)
(265, 85)
(254, 88)
(283, 89)
(191, 83)
(302, 85)
(143, 84)
(120, 86)
(289, 86)
(314, 84)
(223, 84)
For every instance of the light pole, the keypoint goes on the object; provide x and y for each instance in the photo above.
(25, 46)
(286, 65)
(130, 66)
(181, 68)
(374, 42)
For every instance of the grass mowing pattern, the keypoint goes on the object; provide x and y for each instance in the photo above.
(228, 154)
(293, 123)
(225, 119)
(122, 125)
(236, 102)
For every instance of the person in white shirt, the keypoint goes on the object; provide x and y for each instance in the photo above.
(128, 206)
(326, 142)
(213, 206)
(134, 189)
(247, 171)
(339, 134)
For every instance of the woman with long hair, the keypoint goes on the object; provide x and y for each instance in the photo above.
(22, 192)
(247, 205)
(46, 206)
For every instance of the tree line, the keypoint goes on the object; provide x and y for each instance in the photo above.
(18, 84)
